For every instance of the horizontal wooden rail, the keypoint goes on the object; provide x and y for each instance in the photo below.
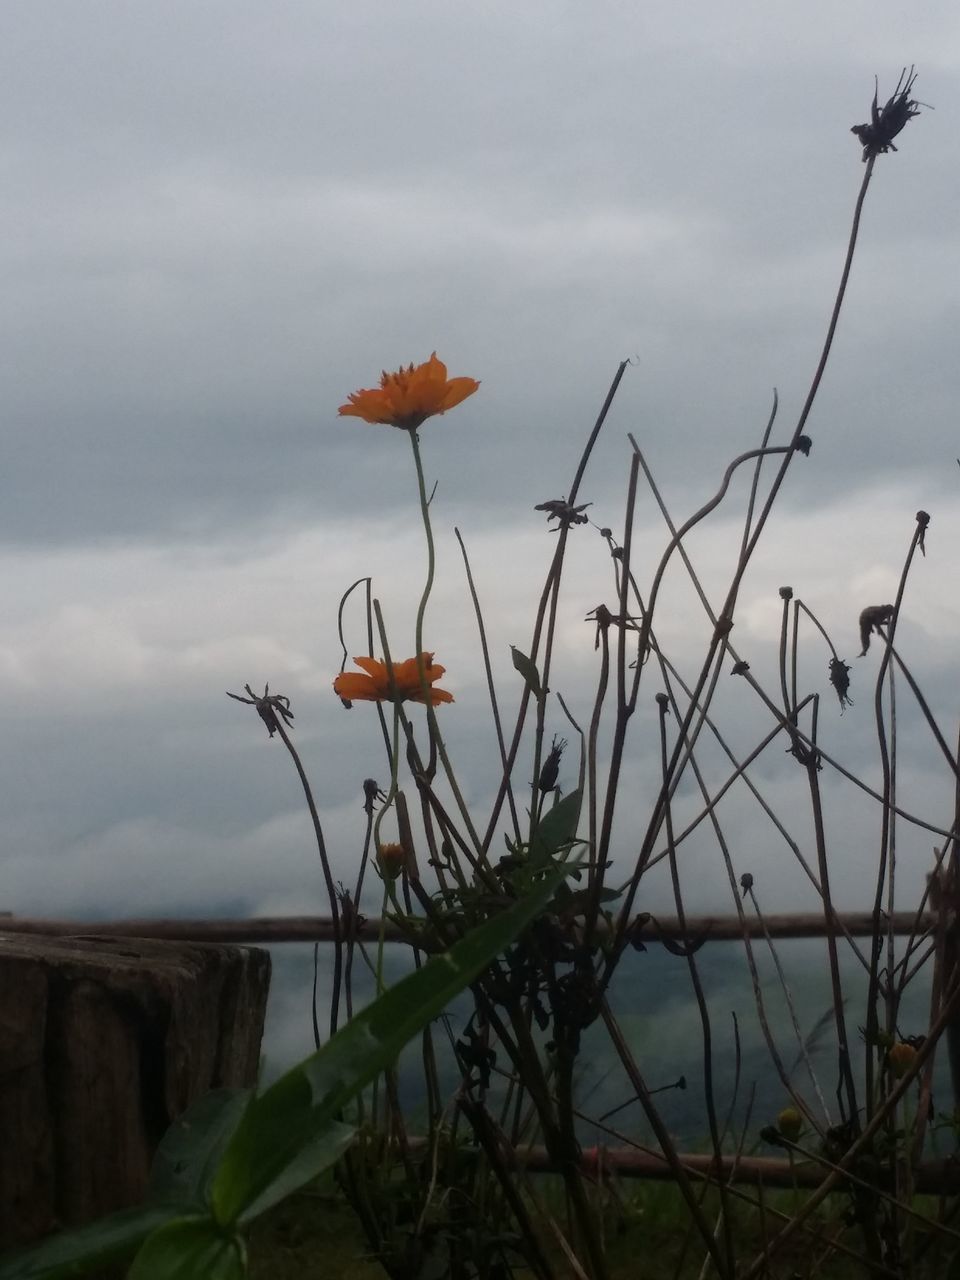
(278, 929)
(934, 1177)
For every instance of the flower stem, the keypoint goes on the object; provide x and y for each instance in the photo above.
(421, 613)
(328, 881)
(431, 554)
(381, 937)
(394, 776)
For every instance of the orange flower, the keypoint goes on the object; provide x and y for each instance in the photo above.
(375, 685)
(410, 396)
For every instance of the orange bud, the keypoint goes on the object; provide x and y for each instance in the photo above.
(901, 1058)
(392, 859)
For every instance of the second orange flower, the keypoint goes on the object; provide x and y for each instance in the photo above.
(374, 685)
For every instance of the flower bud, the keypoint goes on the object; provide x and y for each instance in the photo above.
(901, 1058)
(551, 766)
(790, 1123)
(392, 860)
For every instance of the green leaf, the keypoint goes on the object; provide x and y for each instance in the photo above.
(528, 670)
(578, 902)
(324, 1151)
(295, 1111)
(191, 1149)
(76, 1253)
(556, 830)
(194, 1248)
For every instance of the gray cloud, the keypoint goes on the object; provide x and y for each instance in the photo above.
(218, 222)
(131, 783)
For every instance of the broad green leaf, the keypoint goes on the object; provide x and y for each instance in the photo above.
(91, 1248)
(320, 1154)
(194, 1248)
(191, 1149)
(293, 1113)
(528, 670)
(557, 829)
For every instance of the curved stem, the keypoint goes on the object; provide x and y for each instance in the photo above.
(327, 877)
(556, 566)
(726, 613)
(818, 373)
(491, 687)
(421, 613)
(394, 747)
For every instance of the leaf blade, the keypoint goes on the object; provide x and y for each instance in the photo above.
(295, 1110)
(191, 1248)
(98, 1244)
(192, 1148)
(557, 829)
(528, 669)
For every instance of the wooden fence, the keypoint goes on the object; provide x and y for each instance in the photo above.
(277, 929)
(934, 1176)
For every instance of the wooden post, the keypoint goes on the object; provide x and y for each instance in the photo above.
(103, 1043)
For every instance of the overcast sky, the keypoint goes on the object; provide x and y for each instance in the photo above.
(218, 219)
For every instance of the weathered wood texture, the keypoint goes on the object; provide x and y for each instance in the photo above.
(102, 1044)
(276, 929)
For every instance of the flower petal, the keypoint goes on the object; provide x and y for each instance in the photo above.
(436, 696)
(356, 688)
(378, 670)
(373, 405)
(457, 390)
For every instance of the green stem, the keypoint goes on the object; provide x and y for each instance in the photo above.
(421, 613)
(431, 554)
(378, 974)
(394, 778)
(381, 937)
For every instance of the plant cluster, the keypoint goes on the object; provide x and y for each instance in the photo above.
(456, 1188)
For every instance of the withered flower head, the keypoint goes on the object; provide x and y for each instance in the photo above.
(923, 521)
(272, 708)
(375, 685)
(551, 766)
(372, 792)
(564, 514)
(887, 121)
(635, 930)
(840, 679)
(408, 397)
(872, 619)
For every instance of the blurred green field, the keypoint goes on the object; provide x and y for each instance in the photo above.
(647, 1236)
